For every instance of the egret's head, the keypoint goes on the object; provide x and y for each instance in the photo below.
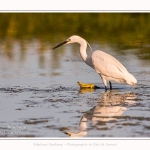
(72, 39)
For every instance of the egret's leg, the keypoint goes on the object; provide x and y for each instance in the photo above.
(104, 82)
(110, 85)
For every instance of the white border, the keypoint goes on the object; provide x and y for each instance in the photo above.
(108, 144)
(74, 5)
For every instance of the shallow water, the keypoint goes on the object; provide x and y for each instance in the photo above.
(40, 97)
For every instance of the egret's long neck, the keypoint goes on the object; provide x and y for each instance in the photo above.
(83, 46)
(85, 57)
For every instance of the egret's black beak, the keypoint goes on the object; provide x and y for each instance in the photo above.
(59, 45)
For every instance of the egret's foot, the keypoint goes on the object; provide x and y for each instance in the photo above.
(96, 87)
(110, 85)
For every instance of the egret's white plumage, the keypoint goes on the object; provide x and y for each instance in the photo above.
(108, 67)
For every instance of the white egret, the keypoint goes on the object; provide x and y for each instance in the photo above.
(108, 67)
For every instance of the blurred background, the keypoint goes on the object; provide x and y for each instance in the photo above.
(122, 30)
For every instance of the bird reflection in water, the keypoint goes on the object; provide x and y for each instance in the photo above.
(111, 105)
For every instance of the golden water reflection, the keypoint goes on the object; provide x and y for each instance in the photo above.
(85, 90)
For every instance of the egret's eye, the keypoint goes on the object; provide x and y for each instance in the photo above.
(69, 40)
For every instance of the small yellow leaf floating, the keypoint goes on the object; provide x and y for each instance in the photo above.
(86, 85)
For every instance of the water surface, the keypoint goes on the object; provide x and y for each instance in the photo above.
(40, 97)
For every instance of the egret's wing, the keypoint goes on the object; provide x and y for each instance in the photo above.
(106, 64)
